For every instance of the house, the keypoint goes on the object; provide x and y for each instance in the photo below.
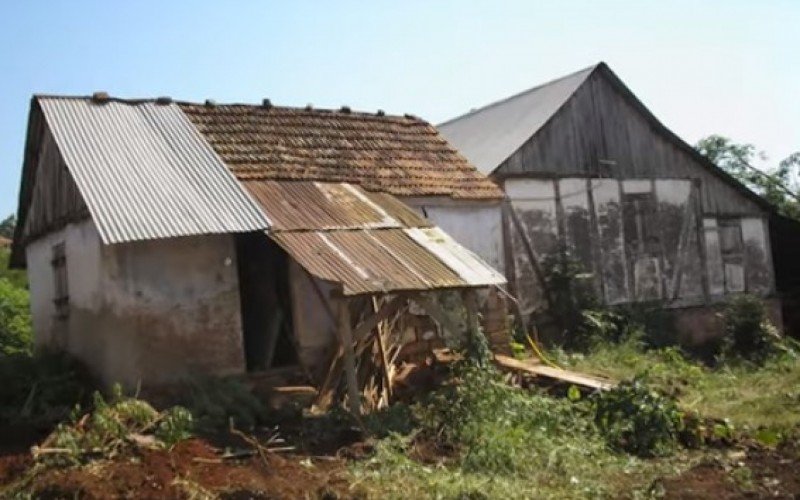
(166, 239)
(590, 173)
(4, 242)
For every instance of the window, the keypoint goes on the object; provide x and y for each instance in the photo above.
(61, 295)
(732, 249)
(642, 243)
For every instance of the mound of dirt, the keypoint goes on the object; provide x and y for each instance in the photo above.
(192, 469)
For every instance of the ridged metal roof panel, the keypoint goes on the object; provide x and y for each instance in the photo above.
(145, 172)
(489, 135)
(303, 205)
(370, 261)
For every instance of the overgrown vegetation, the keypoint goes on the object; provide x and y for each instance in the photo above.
(749, 335)
(220, 402)
(112, 427)
(502, 442)
(41, 389)
(639, 420)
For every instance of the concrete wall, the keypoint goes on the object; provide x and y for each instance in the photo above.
(476, 225)
(150, 312)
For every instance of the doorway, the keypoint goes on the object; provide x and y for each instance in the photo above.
(265, 297)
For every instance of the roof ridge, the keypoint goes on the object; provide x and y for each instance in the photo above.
(344, 110)
(587, 69)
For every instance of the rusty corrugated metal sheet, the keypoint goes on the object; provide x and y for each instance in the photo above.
(145, 172)
(369, 261)
(370, 243)
(292, 206)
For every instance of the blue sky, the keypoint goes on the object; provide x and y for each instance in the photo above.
(702, 67)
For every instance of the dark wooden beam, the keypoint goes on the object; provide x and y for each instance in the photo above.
(346, 340)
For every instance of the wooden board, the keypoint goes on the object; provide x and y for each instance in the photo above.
(571, 377)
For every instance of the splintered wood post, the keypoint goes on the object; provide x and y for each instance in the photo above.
(346, 339)
(387, 379)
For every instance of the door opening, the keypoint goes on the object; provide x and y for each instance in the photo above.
(265, 303)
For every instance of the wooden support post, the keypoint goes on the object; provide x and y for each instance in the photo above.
(346, 339)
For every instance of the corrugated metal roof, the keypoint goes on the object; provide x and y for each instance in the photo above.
(379, 261)
(145, 172)
(368, 242)
(489, 135)
(292, 206)
(466, 264)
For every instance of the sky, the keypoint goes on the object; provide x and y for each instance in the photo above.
(725, 67)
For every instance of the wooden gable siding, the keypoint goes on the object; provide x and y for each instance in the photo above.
(599, 125)
(55, 200)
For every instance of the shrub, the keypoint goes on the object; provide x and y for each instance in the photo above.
(216, 402)
(748, 333)
(639, 420)
(504, 429)
(15, 320)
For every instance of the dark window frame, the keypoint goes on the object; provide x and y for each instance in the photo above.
(60, 280)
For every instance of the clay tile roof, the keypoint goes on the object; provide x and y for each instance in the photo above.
(402, 155)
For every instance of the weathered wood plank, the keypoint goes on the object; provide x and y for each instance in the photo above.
(571, 377)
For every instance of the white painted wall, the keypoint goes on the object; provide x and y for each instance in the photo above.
(152, 311)
(476, 225)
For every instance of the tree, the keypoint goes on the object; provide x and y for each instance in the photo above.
(778, 185)
(7, 227)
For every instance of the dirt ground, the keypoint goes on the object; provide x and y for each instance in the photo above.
(754, 472)
(192, 469)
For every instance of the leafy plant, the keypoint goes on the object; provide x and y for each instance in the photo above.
(639, 420)
(113, 427)
(215, 402)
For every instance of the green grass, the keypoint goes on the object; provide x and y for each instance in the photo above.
(749, 396)
(390, 473)
(516, 444)
(508, 443)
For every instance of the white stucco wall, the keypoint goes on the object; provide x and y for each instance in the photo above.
(149, 312)
(476, 225)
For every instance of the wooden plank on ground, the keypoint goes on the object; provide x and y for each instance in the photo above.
(571, 377)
